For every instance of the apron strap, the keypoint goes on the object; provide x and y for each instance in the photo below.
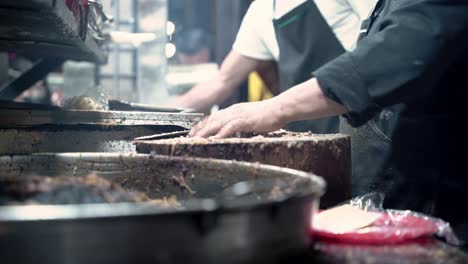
(367, 23)
(274, 9)
(377, 10)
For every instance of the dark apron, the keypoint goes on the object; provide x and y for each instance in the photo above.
(306, 42)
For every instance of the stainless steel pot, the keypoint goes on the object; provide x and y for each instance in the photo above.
(230, 215)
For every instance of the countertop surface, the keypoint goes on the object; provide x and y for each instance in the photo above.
(429, 251)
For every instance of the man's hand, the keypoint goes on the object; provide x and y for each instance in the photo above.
(245, 117)
(302, 102)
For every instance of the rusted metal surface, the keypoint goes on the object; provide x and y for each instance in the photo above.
(74, 138)
(326, 155)
(28, 117)
(32, 130)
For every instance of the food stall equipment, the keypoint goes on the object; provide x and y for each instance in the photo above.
(51, 31)
(209, 230)
(28, 128)
(232, 212)
(326, 155)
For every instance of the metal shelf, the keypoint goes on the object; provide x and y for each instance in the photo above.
(45, 28)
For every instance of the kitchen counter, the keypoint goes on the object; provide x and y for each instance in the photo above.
(430, 251)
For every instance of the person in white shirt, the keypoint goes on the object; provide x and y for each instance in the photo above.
(300, 35)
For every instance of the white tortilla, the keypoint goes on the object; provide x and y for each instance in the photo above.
(342, 219)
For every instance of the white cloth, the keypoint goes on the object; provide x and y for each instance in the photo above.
(257, 39)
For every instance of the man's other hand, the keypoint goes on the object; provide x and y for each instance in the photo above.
(244, 117)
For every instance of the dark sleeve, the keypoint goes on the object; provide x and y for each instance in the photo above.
(418, 39)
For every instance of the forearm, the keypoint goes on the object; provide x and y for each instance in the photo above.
(201, 97)
(305, 101)
(233, 72)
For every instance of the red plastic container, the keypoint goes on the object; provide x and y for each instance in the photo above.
(391, 228)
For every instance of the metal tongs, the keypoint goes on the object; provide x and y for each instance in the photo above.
(165, 135)
(120, 105)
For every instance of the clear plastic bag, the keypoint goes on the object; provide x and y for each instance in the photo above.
(392, 226)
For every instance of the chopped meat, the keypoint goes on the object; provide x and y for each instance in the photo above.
(276, 193)
(170, 202)
(82, 103)
(180, 181)
(69, 190)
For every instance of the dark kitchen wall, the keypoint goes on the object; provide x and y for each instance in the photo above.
(3, 68)
(228, 17)
(192, 13)
(229, 14)
(221, 18)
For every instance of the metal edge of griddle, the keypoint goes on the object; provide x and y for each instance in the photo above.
(30, 117)
(119, 105)
(168, 135)
(25, 213)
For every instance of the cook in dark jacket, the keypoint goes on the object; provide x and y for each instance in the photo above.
(400, 96)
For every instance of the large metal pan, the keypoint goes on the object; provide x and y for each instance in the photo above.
(220, 221)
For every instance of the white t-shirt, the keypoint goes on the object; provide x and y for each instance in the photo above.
(257, 39)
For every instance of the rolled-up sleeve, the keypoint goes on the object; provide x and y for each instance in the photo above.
(408, 49)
